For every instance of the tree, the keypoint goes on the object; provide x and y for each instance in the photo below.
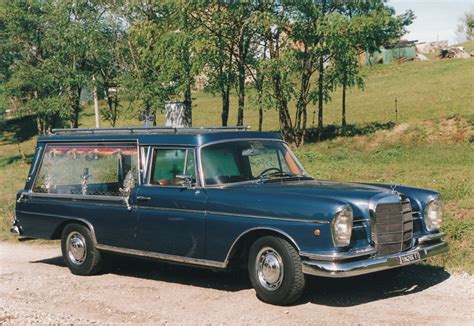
(107, 44)
(361, 27)
(297, 51)
(160, 45)
(465, 29)
(217, 51)
(345, 65)
(313, 42)
(229, 28)
(72, 25)
(28, 75)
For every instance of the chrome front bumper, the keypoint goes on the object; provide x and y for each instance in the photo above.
(371, 264)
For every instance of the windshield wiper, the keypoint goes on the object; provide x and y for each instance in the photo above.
(276, 174)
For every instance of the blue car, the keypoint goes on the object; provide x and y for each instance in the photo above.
(214, 197)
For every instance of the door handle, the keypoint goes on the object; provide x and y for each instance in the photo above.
(143, 198)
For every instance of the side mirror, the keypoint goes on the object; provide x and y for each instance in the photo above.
(185, 180)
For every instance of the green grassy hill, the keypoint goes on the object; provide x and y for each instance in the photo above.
(430, 145)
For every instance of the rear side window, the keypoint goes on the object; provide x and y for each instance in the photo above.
(103, 170)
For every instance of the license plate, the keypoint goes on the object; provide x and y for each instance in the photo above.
(410, 258)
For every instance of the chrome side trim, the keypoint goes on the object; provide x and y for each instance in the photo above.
(269, 217)
(299, 220)
(431, 237)
(166, 257)
(71, 218)
(70, 196)
(227, 258)
(168, 209)
(233, 214)
(370, 265)
(336, 256)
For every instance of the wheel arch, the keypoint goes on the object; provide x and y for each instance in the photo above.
(59, 230)
(242, 243)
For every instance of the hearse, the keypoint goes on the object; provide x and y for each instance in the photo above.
(212, 197)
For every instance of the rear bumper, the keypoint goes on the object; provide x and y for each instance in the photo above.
(372, 264)
(15, 228)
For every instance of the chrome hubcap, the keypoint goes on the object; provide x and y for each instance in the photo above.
(76, 248)
(269, 267)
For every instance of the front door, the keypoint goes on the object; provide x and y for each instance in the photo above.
(171, 213)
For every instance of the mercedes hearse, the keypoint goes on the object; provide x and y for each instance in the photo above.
(214, 196)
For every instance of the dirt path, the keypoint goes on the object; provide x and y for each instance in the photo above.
(35, 287)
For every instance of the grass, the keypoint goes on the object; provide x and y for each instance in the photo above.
(430, 145)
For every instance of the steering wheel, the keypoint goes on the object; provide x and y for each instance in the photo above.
(264, 172)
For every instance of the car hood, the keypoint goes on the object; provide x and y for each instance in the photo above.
(359, 196)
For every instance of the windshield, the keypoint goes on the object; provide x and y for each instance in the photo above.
(240, 161)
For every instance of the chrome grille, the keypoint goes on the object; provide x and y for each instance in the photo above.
(394, 227)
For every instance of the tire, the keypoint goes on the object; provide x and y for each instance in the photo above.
(275, 270)
(79, 252)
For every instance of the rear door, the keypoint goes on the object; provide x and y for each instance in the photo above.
(84, 182)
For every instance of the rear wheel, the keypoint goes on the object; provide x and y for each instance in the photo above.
(78, 249)
(275, 270)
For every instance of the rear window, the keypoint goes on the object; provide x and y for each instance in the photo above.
(87, 169)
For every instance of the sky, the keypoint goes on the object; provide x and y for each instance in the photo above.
(435, 19)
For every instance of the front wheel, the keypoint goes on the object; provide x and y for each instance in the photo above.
(79, 251)
(275, 270)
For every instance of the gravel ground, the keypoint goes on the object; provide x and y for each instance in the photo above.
(36, 288)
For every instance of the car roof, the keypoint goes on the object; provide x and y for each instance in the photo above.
(157, 135)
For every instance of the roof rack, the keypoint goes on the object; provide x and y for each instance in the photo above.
(146, 130)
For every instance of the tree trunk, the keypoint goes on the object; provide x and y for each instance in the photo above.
(188, 104)
(225, 91)
(241, 91)
(113, 121)
(321, 76)
(96, 106)
(240, 113)
(76, 106)
(344, 104)
(188, 101)
(320, 91)
(300, 123)
(112, 103)
(40, 125)
(225, 107)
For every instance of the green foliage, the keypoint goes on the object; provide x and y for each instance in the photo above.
(147, 53)
(455, 189)
(465, 29)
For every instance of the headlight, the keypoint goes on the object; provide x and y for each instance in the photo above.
(341, 227)
(433, 215)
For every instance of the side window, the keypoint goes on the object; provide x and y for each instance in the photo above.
(103, 170)
(168, 163)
